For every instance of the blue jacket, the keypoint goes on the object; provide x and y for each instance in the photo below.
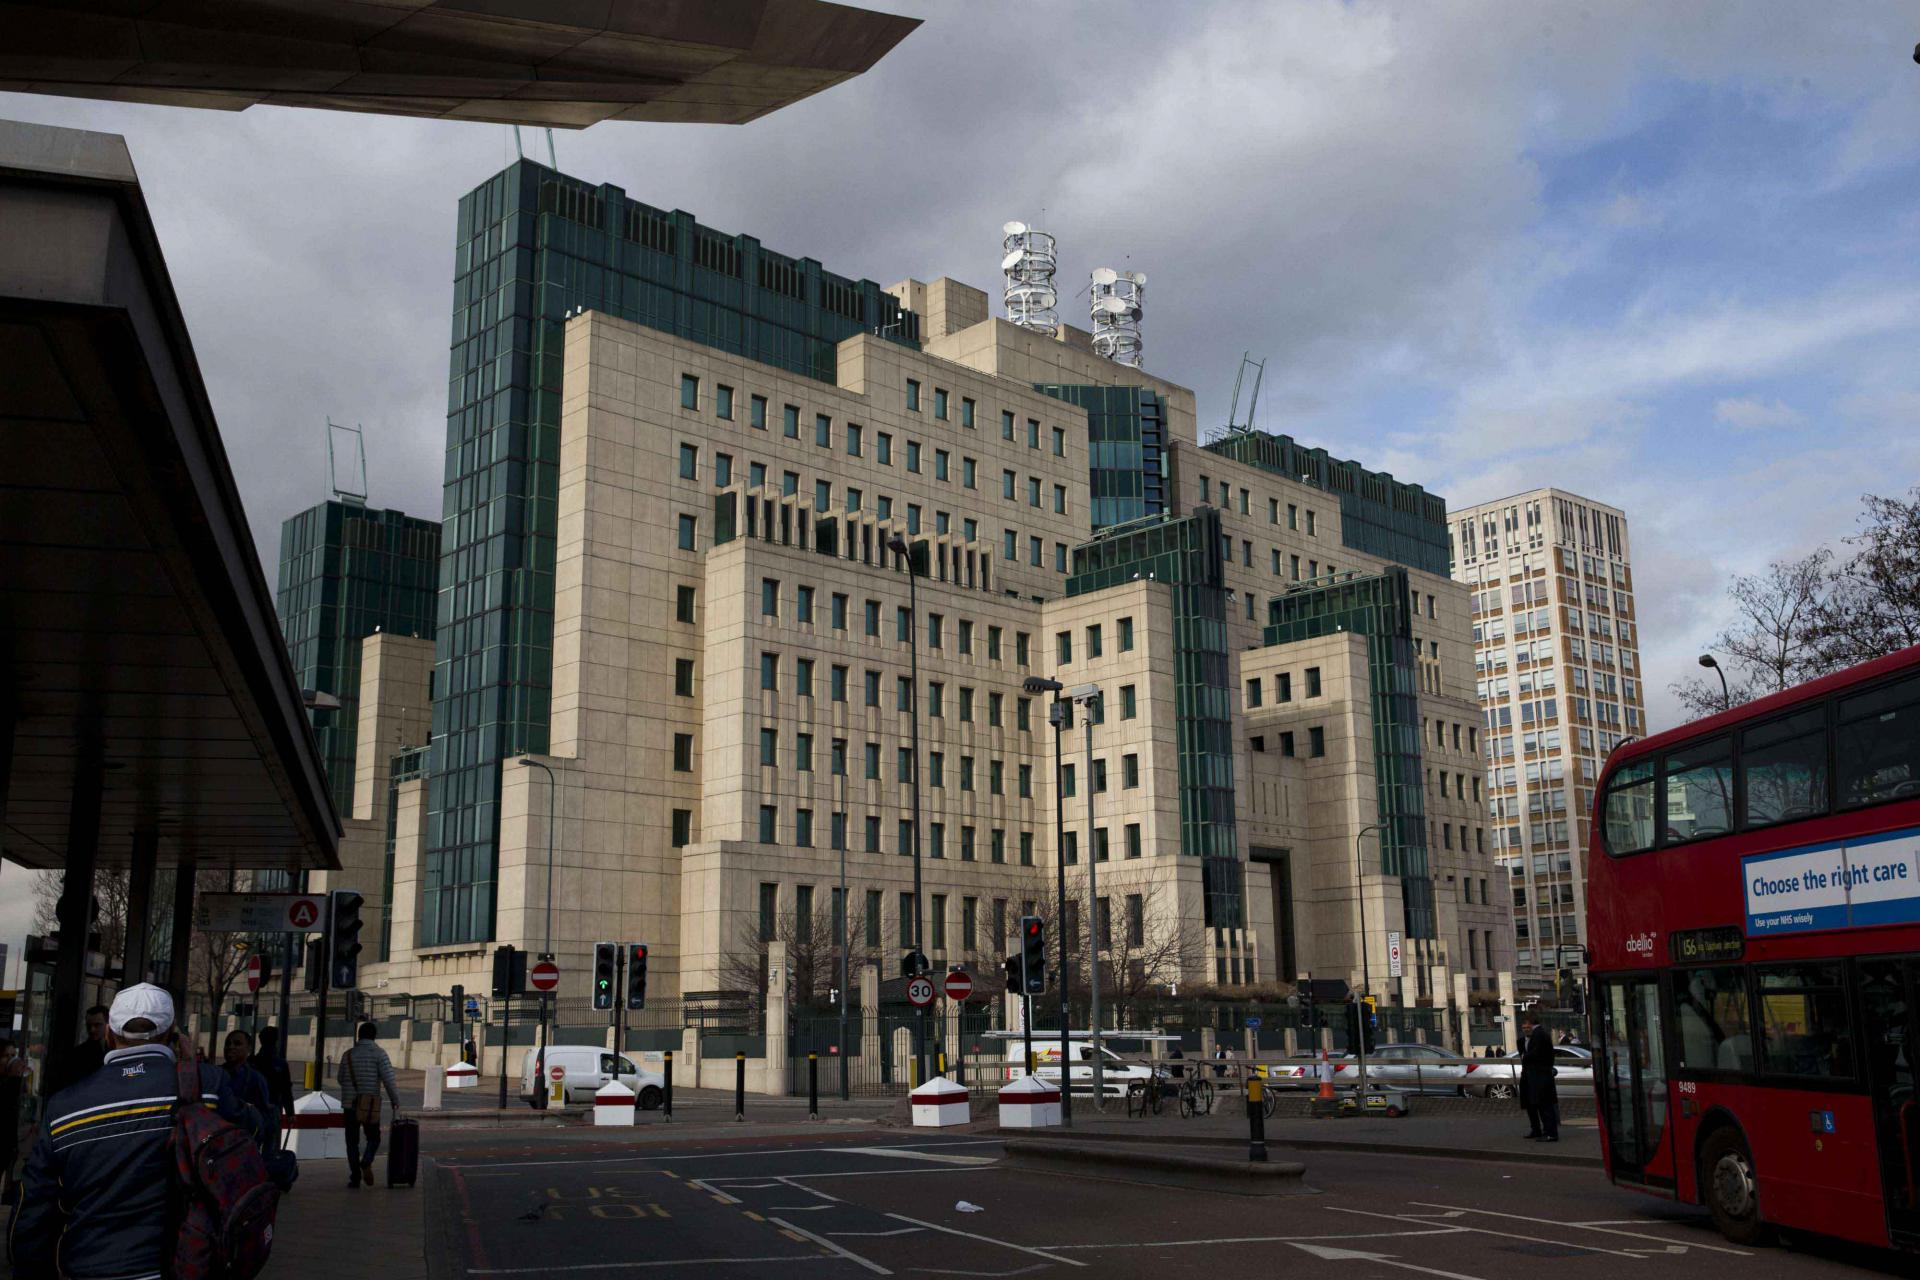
(98, 1197)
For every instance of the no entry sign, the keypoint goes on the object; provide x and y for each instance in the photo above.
(253, 973)
(920, 991)
(959, 985)
(544, 976)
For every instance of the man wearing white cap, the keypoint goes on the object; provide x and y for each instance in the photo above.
(96, 1195)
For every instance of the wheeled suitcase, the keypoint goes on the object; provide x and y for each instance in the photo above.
(403, 1153)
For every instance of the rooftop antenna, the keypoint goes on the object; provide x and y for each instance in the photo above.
(1116, 307)
(553, 161)
(1233, 414)
(356, 462)
(1028, 265)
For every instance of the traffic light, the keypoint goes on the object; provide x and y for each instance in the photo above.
(343, 939)
(1369, 1020)
(316, 966)
(637, 975)
(603, 961)
(457, 997)
(913, 964)
(509, 972)
(266, 968)
(1014, 985)
(1033, 953)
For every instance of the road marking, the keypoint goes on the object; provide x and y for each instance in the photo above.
(1173, 1244)
(799, 1208)
(880, 1173)
(1004, 1244)
(652, 1262)
(901, 1231)
(1485, 1231)
(900, 1153)
(659, 1212)
(713, 1191)
(840, 1250)
(751, 1214)
(479, 1166)
(1385, 1260)
(998, 1275)
(1604, 1229)
(752, 1186)
(812, 1191)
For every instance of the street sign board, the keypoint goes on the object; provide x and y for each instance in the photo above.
(959, 985)
(1253, 1024)
(544, 976)
(260, 912)
(253, 973)
(920, 991)
(1395, 967)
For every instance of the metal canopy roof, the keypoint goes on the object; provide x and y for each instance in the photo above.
(536, 62)
(136, 626)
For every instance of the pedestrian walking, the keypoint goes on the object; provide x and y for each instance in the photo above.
(99, 1194)
(271, 1063)
(365, 1070)
(1538, 1093)
(76, 1062)
(250, 1087)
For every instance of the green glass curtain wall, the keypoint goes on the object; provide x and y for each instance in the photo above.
(1126, 449)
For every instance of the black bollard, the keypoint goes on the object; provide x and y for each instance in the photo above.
(1256, 1124)
(666, 1088)
(739, 1086)
(813, 1086)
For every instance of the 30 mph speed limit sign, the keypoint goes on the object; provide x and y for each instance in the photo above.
(920, 991)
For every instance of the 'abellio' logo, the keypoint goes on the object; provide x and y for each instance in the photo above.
(1640, 944)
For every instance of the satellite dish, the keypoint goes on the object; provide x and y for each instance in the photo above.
(1138, 277)
(1105, 275)
(1012, 260)
(1014, 229)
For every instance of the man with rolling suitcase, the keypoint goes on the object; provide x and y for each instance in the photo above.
(365, 1070)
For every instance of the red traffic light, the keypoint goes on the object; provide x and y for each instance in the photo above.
(1033, 929)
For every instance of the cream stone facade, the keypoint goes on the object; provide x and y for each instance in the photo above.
(732, 686)
(1557, 663)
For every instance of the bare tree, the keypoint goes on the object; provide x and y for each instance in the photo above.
(217, 957)
(1775, 640)
(1145, 944)
(1873, 608)
(813, 955)
(108, 917)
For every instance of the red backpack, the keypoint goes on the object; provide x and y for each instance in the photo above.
(226, 1229)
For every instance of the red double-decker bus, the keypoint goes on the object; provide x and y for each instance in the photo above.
(1754, 906)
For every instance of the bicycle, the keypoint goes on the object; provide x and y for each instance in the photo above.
(1196, 1097)
(1142, 1096)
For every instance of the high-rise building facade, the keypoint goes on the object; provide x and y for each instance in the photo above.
(348, 571)
(677, 466)
(1557, 665)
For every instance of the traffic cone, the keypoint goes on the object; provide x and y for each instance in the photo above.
(1326, 1079)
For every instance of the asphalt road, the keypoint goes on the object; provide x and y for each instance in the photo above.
(861, 1203)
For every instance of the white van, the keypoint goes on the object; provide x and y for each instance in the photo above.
(588, 1067)
(1116, 1072)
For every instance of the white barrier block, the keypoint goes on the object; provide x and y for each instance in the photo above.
(613, 1104)
(436, 1079)
(317, 1129)
(1029, 1103)
(939, 1103)
(463, 1075)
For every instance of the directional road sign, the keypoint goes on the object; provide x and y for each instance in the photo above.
(544, 976)
(260, 912)
(920, 991)
(959, 985)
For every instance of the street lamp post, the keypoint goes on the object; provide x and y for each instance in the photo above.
(899, 546)
(1088, 698)
(846, 929)
(1366, 975)
(540, 1061)
(1726, 695)
(1057, 717)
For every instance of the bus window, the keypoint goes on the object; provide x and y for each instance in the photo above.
(1879, 744)
(1803, 1020)
(1629, 809)
(1699, 791)
(1784, 766)
(1711, 1007)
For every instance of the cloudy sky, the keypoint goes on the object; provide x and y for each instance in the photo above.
(1664, 255)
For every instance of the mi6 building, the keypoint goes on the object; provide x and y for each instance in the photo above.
(751, 562)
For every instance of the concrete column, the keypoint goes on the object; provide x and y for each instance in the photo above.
(686, 1063)
(870, 1012)
(1291, 1037)
(1463, 1014)
(76, 905)
(406, 1043)
(776, 1075)
(141, 867)
(1510, 1030)
(1208, 1042)
(182, 956)
(437, 1045)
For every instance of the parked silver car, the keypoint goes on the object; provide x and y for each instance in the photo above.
(1500, 1077)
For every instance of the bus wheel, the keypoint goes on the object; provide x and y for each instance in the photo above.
(1731, 1190)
